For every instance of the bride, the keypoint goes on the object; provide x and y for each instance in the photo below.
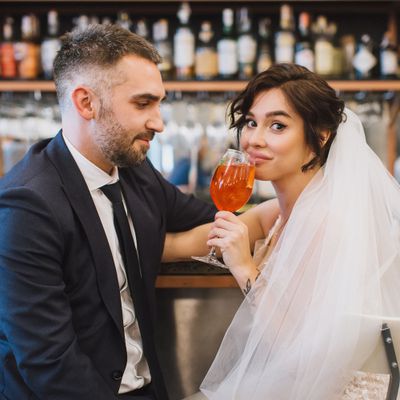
(331, 253)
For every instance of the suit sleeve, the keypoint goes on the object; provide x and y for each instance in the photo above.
(184, 211)
(34, 310)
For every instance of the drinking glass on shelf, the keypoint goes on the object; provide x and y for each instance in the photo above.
(230, 189)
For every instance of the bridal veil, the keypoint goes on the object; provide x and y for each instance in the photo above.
(302, 330)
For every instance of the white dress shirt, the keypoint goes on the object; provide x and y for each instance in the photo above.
(137, 373)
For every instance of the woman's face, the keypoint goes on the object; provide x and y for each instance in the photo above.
(273, 136)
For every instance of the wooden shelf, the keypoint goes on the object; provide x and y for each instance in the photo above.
(195, 281)
(211, 86)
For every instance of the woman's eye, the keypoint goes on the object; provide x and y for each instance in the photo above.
(277, 126)
(250, 123)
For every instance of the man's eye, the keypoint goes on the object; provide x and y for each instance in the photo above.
(142, 104)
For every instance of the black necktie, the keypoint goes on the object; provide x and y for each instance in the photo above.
(136, 285)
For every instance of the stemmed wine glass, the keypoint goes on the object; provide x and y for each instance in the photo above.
(230, 189)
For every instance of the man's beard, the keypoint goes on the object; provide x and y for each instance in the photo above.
(116, 142)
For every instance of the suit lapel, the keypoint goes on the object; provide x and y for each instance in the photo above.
(81, 201)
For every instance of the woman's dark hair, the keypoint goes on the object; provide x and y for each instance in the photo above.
(310, 96)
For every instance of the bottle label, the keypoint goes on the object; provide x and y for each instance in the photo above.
(284, 47)
(28, 60)
(165, 51)
(8, 64)
(227, 57)
(364, 61)
(48, 53)
(324, 57)
(264, 62)
(247, 49)
(206, 65)
(389, 62)
(183, 48)
(305, 58)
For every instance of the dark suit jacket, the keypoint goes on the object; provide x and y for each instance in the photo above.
(61, 333)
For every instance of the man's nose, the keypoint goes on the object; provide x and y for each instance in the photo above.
(155, 122)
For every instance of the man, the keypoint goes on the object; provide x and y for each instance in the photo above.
(76, 295)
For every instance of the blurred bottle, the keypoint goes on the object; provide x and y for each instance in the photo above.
(206, 60)
(285, 38)
(142, 29)
(184, 45)
(7, 51)
(124, 20)
(264, 59)
(388, 57)
(50, 45)
(304, 52)
(338, 54)
(27, 51)
(227, 48)
(247, 45)
(365, 62)
(163, 46)
(348, 43)
(324, 49)
(81, 22)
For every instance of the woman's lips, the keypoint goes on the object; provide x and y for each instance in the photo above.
(257, 157)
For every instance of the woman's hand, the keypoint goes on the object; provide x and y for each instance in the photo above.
(231, 236)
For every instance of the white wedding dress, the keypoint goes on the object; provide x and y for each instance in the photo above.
(301, 332)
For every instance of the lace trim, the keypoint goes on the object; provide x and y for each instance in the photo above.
(367, 386)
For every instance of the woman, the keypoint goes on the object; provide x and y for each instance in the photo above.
(331, 253)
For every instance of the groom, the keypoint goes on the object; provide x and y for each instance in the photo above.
(78, 263)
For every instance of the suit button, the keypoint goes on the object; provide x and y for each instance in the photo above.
(116, 375)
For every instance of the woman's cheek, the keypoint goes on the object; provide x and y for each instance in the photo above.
(244, 141)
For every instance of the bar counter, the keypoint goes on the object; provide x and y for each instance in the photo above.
(194, 274)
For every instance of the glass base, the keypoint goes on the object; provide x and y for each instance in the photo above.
(210, 259)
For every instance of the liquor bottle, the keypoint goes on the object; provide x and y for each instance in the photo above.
(163, 46)
(388, 57)
(365, 62)
(247, 45)
(206, 61)
(27, 51)
(348, 43)
(285, 38)
(141, 29)
(50, 45)
(324, 49)
(227, 48)
(123, 20)
(264, 58)
(338, 54)
(81, 22)
(304, 52)
(7, 51)
(184, 45)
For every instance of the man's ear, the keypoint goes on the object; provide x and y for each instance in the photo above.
(84, 100)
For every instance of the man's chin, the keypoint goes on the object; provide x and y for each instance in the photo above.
(134, 161)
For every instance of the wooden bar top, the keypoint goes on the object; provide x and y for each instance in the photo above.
(192, 274)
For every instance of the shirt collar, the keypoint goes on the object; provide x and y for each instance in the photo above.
(94, 176)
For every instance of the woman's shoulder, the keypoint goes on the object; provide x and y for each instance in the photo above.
(266, 214)
(269, 212)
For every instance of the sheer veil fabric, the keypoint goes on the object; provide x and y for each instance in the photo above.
(300, 332)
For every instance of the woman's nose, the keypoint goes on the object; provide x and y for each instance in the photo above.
(256, 138)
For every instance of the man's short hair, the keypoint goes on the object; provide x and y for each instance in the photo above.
(96, 48)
